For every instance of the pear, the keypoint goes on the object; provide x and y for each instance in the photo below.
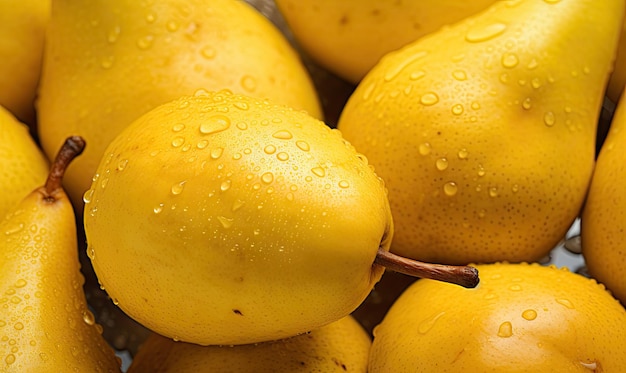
(617, 80)
(521, 318)
(602, 222)
(350, 37)
(108, 62)
(484, 131)
(22, 30)
(341, 346)
(46, 323)
(223, 219)
(24, 166)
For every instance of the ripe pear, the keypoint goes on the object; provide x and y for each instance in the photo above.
(341, 346)
(44, 318)
(521, 318)
(224, 219)
(617, 80)
(484, 131)
(603, 218)
(112, 61)
(24, 166)
(350, 37)
(22, 30)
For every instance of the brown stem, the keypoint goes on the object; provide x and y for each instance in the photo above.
(465, 276)
(72, 147)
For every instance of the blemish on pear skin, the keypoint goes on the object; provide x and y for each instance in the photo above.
(237, 312)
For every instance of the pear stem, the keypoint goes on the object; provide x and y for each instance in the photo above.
(465, 276)
(72, 147)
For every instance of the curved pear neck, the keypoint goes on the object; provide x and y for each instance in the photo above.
(465, 276)
(72, 147)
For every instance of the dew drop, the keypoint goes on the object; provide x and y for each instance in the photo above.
(14, 229)
(270, 149)
(202, 144)
(566, 303)
(395, 70)
(450, 188)
(549, 119)
(225, 185)
(158, 208)
(88, 196)
(509, 60)
(242, 126)
(178, 141)
(529, 314)
(318, 171)
(208, 52)
(475, 105)
(177, 188)
(505, 330)
(20, 283)
(9, 359)
(18, 326)
(484, 33)
(282, 135)
(457, 109)
(282, 156)
(216, 153)
(145, 42)
(88, 317)
(515, 287)
(303, 145)
(459, 75)
(172, 26)
(535, 83)
(248, 83)
(441, 164)
(226, 222)
(237, 204)
(515, 188)
(493, 192)
(214, 124)
(114, 34)
(429, 99)
(107, 62)
(267, 177)
(425, 148)
(121, 165)
(416, 75)
(463, 154)
(344, 184)
(527, 104)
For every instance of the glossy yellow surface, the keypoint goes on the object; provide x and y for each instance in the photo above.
(112, 61)
(341, 346)
(603, 220)
(348, 37)
(22, 29)
(45, 323)
(520, 318)
(23, 166)
(221, 219)
(484, 132)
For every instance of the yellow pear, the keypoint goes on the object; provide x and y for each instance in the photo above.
(22, 29)
(223, 219)
(484, 131)
(45, 323)
(617, 81)
(349, 37)
(108, 62)
(341, 346)
(23, 165)
(603, 218)
(521, 318)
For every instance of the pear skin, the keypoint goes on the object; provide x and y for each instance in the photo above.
(23, 164)
(522, 318)
(484, 131)
(341, 346)
(603, 232)
(45, 322)
(112, 61)
(249, 209)
(22, 31)
(339, 34)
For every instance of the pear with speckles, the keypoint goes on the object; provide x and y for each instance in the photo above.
(221, 219)
(522, 318)
(45, 322)
(108, 62)
(484, 131)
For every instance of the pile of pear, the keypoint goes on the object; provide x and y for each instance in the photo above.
(186, 150)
